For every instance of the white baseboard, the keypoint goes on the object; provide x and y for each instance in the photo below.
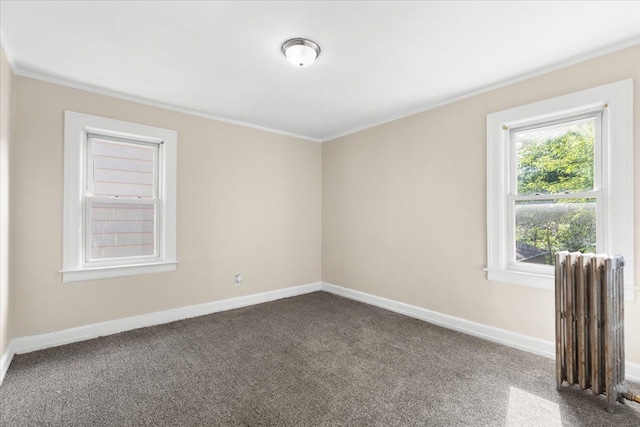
(81, 333)
(5, 361)
(632, 372)
(490, 333)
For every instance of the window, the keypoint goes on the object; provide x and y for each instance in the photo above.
(560, 178)
(120, 209)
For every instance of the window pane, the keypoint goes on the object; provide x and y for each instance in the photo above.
(122, 169)
(557, 158)
(121, 230)
(547, 226)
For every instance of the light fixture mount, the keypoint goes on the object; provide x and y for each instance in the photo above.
(301, 52)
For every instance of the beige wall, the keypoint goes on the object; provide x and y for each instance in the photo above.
(248, 203)
(6, 99)
(404, 206)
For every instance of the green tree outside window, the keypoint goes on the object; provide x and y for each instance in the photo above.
(555, 160)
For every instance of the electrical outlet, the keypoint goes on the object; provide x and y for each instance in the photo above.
(238, 280)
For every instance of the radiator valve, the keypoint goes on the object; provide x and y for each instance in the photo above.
(632, 397)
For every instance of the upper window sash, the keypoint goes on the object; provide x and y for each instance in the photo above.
(156, 165)
(512, 152)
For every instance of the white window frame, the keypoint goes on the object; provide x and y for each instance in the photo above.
(613, 183)
(78, 129)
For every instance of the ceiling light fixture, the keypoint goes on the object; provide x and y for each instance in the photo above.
(301, 52)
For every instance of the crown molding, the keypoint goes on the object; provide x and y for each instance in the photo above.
(7, 50)
(538, 72)
(152, 103)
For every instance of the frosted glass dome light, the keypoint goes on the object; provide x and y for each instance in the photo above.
(301, 52)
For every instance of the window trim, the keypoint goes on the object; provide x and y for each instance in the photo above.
(616, 100)
(78, 127)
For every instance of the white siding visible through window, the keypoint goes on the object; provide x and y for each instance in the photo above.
(121, 230)
(125, 171)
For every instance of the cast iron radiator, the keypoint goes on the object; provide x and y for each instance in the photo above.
(590, 324)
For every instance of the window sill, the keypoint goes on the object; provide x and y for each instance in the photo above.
(540, 281)
(521, 278)
(116, 271)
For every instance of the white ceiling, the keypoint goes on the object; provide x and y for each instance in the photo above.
(379, 60)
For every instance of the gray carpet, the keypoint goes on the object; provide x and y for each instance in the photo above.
(316, 359)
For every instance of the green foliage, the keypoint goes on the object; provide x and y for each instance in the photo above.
(564, 163)
(545, 228)
(551, 165)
